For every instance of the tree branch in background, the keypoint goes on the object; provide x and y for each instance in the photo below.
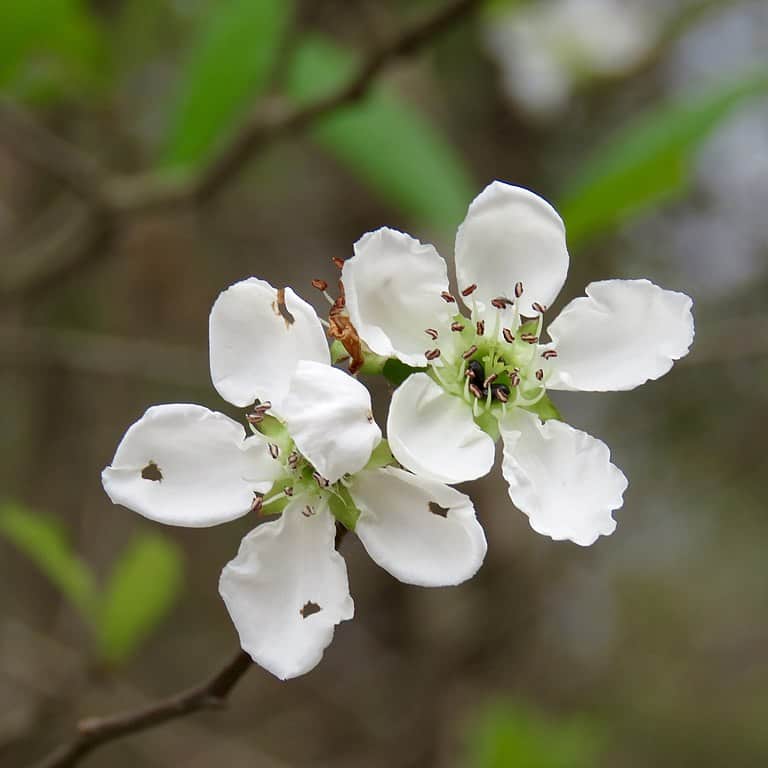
(113, 198)
(95, 731)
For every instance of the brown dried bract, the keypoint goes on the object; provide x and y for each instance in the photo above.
(341, 328)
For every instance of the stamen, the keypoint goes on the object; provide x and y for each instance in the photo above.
(337, 262)
(490, 379)
(320, 480)
(447, 297)
(274, 450)
(549, 354)
(254, 418)
(432, 333)
(540, 375)
(321, 285)
(480, 327)
(530, 338)
(293, 459)
(288, 490)
(258, 502)
(471, 351)
(308, 511)
(501, 392)
(514, 378)
(508, 335)
(476, 391)
(432, 354)
(518, 290)
(457, 327)
(501, 302)
(470, 289)
(540, 308)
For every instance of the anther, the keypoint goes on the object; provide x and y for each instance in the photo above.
(447, 297)
(432, 333)
(501, 302)
(457, 327)
(293, 459)
(518, 290)
(530, 338)
(432, 354)
(470, 289)
(540, 308)
(254, 418)
(274, 450)
(500, 392)
(540, 375)
(471, 351)
(508, 335)
(288, 490)
(514, 378)
(258, 503)
(320, 480)
(490, 379)
(475, 371)
(480, 327)
(549, 354)
(476, 391)
(321, 285)
(337, 262)
(308, 511)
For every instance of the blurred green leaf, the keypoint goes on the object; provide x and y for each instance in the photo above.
(510, 734)
(389, 145)
(229, 66)
(43, 541)
(649, 161)
(49, 47)
(142, 587)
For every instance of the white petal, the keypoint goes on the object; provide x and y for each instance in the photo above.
(287, 589)
(512, 236)
(328, 414)
(393, 285)
(623, 333)
(434, 435)
(256, 342)
(420, 531)
(186, 465)
(561, 477)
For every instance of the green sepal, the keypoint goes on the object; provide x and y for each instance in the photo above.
(338, 352)
(396, 371)
(343, 508)
(275, 430)
(275, 507)
(381, 456)
(488, 422)
(545, 409)
(373, 364)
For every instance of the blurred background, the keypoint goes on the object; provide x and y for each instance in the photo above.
(646, 124)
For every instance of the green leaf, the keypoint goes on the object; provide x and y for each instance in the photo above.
(396, 372)
(648, 162)
(43, 541)
(143, 585)
(228, 68)
(48, 47)
(507, 734)
(385, 142)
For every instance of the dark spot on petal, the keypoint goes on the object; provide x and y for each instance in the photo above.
(309, 609)
(281, 310)
(152, 472)
(436, 509)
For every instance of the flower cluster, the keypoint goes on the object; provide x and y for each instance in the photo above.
(313, 455)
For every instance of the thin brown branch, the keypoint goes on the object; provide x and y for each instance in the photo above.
(112, 198)
(95, 731)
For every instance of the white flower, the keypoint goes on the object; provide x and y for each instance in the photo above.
(310, 455)
(486, 376)
(546, 49)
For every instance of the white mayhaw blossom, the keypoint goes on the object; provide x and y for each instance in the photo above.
(486, 375)
(311, 458)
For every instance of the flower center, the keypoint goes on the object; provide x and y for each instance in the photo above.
(493, 360)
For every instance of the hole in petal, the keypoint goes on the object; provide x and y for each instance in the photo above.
(281, 309)
(436, 509)
(309, 609)
(152, 472)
